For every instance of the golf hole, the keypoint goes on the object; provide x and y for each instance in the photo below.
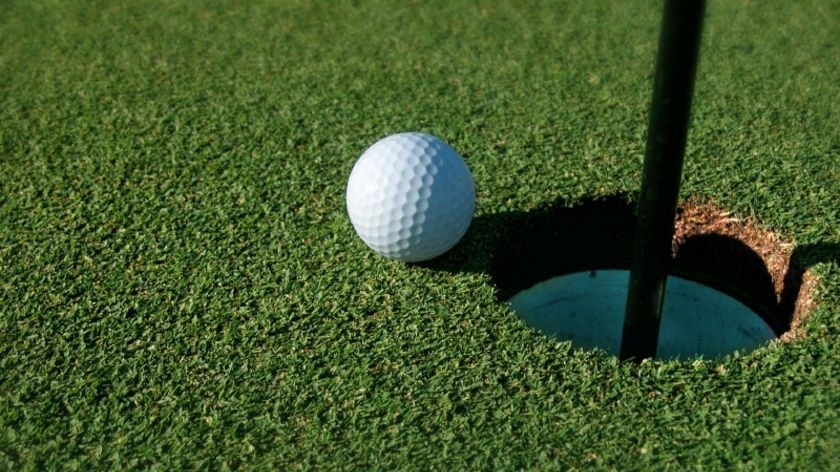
(587, 308)
(564, 270)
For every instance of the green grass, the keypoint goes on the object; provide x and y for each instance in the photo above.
(180, 285)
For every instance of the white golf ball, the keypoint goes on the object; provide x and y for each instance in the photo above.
(410, 197)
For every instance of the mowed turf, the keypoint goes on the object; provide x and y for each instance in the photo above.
(180, 286)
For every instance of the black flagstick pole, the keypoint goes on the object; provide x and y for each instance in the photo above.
(676, 63)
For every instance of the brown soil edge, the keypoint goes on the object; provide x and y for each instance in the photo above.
(698, 218)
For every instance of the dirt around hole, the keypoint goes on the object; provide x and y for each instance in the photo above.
(793, 285)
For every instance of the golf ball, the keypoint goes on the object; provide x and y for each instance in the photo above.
(410, 197)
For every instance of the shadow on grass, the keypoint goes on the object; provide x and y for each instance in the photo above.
(520, 249)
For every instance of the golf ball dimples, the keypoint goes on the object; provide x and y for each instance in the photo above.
(410, 197)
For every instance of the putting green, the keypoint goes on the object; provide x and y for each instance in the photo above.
(181, 287)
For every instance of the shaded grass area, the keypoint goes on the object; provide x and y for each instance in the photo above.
(180, 286)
